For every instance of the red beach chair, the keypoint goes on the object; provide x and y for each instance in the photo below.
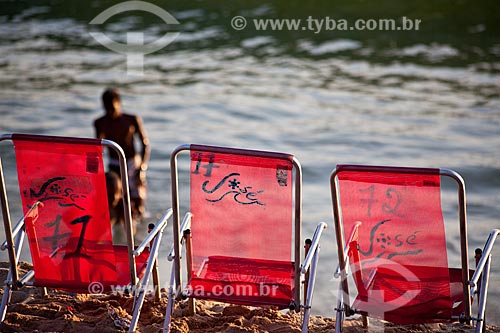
(243, 230)
(66, 218)
(391, 241)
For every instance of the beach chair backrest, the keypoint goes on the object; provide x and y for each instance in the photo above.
(391, 223)
(62, 185)
(244, 207)
(70, 239)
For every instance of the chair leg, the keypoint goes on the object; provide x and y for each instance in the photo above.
(483, 294)
(365, 321)
(170, 303)
(156, 281)
(155, 273)
(145, 280)
(339, 316)
(310, 287)
(168, 315)
(189, 256)
(7, 293)
(481, 277)
(307, 246)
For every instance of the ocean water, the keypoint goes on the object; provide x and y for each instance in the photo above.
(426, 98)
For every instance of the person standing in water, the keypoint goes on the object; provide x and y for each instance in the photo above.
(124, 129)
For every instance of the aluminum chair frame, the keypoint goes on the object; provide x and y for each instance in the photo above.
(310, 262)
(470, 284)
(15, 237)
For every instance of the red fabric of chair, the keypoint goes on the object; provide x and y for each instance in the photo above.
(244, 281)
(242, 226)
(400, 259)
(70, 240)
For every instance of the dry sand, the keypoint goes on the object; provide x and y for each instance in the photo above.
(65, 312)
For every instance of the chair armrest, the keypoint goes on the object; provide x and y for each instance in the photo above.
(314, 245)
(159, 226)
(186, 224)
(352, 235)
(486, 253)
(20, 224)
(26, 278)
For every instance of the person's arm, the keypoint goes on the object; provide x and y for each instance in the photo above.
(98, 126)
(146, 150)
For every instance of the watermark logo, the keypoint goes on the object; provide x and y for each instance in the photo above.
(238, 22)
(227, 290)
(96, 287)
(378, 301)
(134, 49)
(132, 290)
(325, 24)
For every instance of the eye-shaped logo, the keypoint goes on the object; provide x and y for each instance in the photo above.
(134, 49)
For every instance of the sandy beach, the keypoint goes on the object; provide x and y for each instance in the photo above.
(301, 78)
(60, 311)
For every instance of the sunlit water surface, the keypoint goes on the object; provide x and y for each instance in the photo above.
(325, 101)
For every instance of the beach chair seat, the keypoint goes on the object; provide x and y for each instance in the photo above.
(63, 193)
(392, 247)
(409, 287)
(246, 281)
(242, 233)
